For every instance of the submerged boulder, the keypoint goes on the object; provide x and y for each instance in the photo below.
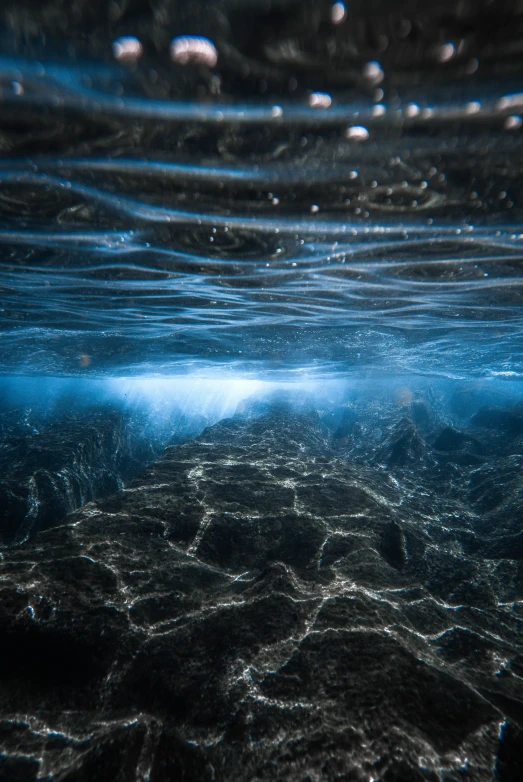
(508, 420)
(50, 469)
(50, 472)
(403, 446)
(450, 440)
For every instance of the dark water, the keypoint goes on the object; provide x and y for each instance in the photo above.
(160, 217)
(261, 335)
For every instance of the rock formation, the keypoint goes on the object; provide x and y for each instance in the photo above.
(259, 605)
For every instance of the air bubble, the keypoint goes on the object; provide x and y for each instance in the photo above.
(473, 107)
(510, 102)
(412, 110)
(320, 100)
(357, 133)
(127, 48)
(446, 52)
(338, 13)
(405, 27)
(193, 50)
(373, 72)
(513, 123)
(379, 110)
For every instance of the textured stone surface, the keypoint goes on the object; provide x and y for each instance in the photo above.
(49, 471)
(262, 604)
(53, 462)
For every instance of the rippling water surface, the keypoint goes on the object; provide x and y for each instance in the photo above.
(337, 192)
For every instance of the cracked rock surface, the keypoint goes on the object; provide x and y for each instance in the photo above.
(51, 465)
(260, 604)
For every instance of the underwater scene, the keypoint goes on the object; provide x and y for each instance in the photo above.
(261, 391)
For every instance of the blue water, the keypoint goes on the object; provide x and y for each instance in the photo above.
(160, 219)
